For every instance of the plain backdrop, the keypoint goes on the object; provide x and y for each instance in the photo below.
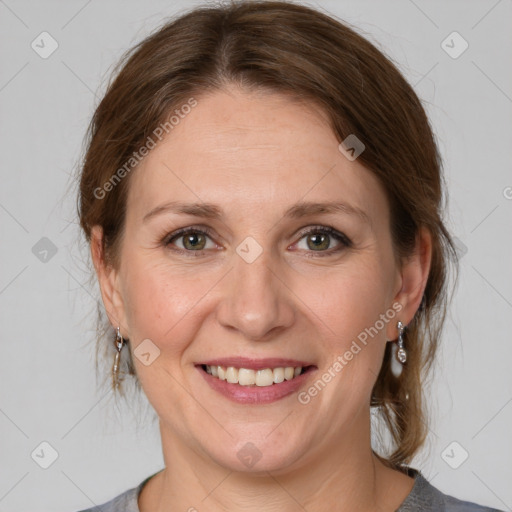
(48, 389)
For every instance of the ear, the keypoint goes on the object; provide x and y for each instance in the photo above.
(412, 280)
(108, 279)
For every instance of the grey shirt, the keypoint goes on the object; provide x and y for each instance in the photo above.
(423, 497)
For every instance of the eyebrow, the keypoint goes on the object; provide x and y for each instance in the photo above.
(297, 211)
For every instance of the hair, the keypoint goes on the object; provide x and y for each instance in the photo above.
(291, 49)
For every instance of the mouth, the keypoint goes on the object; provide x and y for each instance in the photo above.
(248, 377)
(254, 381)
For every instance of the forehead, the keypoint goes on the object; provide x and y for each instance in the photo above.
(246, 150)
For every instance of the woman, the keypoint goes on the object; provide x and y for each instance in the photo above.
(262, 196)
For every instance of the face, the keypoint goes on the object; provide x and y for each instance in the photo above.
(266, 283)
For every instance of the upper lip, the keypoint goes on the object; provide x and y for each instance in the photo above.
(255, 364)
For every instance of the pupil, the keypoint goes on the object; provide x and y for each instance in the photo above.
(319, 241)
(193, 240)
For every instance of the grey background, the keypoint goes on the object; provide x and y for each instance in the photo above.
(47, 309)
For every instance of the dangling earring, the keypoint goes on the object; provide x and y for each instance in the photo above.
(119, 344)
(398, 353)
(401, 354)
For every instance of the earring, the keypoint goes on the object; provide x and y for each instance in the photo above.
(119, 344)
(401, 354)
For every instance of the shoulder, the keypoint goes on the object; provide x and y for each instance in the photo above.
(425, 497)
(124, 502)
(455, 505)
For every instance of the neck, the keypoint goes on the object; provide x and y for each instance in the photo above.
(341, 476)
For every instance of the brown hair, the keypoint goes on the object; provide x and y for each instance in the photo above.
(288, 48)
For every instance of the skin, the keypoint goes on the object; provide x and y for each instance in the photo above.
(254, 155)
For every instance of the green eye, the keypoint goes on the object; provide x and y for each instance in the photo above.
(193, 239)
(318, 240)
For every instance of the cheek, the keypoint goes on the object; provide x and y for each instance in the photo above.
(350, 310)
(160, 304)
(352, 301)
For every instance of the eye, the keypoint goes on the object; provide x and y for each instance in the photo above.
(192, 239)
(319, 239)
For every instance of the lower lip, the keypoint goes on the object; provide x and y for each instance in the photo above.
(255, 394)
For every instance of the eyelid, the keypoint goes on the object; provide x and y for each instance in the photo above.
(183, 231)
(327, 230)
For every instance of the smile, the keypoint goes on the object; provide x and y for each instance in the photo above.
(255, 381)
(250, 377)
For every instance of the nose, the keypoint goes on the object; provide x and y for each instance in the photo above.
(257, 302)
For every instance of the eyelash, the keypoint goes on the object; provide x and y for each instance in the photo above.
(345, 242)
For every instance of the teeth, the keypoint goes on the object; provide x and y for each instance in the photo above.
(232, 375)
(264, 377)
(278, 375)
(248, 377)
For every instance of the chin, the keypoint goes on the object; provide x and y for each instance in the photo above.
(258, 454)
